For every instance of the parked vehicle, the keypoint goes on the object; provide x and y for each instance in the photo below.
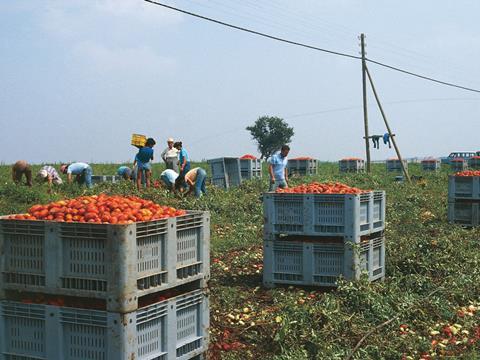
(459, 154)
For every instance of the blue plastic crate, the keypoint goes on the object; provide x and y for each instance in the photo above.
(458, 165)
(394, 165)
(474, 163)
(464, 212)
(96, 179)
(302, 167)
(117, 263)
(347, 215)
(250, 168)
(226, 172)
(175, 328)
(431, 165)
(463, 187)
(321, 263)
(351, 165)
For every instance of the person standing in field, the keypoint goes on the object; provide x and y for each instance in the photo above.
(143, 163)
(125, 172)
(195, 181)
(82, 171)
(170, 156)
(277, 169)
(49, 174)
(184, 160)
(168, 176)
(19, 169)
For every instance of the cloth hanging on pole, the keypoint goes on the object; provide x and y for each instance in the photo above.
(386, 140)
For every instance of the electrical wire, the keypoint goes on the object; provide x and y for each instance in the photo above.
(272, 37)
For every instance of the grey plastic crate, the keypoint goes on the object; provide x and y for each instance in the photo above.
(105, 178)
(302, 167)
(394, 165)
(458, 165)
(175, 328)
(464, 212)
(431, 165)
(351, 165)
(321, 263)
(463, 187)
(348, 215)
(250, 168)
(226, 172)
(474, 163)
(118, 263)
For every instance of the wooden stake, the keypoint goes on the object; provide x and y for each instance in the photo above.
(365, 114)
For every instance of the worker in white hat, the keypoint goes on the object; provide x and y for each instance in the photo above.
(49, 174)
(170, 156)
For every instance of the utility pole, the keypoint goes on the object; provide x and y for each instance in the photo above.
(365, 114)
(392, 136)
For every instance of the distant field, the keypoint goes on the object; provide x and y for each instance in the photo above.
(433, 274)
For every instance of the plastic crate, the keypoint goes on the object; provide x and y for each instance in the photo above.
(250, 168)
(106, 178)
(302, 167)
(394, 165)
(117, 263)
(474, 163)
(431, 165)
(464, 212)
(458, 165)
(351, 165)
(463, 187)
(347, 215)
(138, 140)
(226, 172)
(176, 328)
(321, 263)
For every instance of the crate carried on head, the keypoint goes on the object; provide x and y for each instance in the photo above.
(394, 165)
(138, 140)
(302, 166)
(226, 172)
(354, 165)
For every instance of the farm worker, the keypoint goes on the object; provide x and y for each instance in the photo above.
(184, 160)
(194, 180)
(49, 174)
(376, 141)
(386, 140)
(19, 169)
(125, 172)
(170, 155)
(142, 161)
(277, 169)
(168, 177)
(82, 171)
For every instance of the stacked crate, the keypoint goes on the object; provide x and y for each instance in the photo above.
(458, 164)
(355, 165)
(313, 239)
(474, 163)
(72, 291)
(250, 168)
(226, 172)
(431, 165)
(302, 166)
(96, 179)
(464, 200)
(394, 165)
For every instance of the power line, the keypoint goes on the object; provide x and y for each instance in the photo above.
(276, 38)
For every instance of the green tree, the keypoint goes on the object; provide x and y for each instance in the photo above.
(270, 133)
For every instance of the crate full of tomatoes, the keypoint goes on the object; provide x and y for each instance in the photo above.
(323, 209)
(106, 247)
(351, 165)
(464, 198)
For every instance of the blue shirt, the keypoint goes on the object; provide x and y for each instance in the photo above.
(278, 164)
(144, 155)
(77, 168)
(183, 155)
(123, 169)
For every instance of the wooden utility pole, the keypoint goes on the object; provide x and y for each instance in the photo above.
(392, 136)
(365, 114)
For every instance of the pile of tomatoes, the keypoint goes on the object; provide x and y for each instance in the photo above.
(351, 159)
(468, 173)
(325, 188)
(248, 157)
(302, 158)
(100, 209)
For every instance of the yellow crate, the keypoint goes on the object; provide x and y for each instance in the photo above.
(138, 140)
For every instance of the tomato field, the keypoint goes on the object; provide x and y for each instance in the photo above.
(427, 307)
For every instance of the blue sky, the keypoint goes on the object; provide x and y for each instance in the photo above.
(79, 77)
